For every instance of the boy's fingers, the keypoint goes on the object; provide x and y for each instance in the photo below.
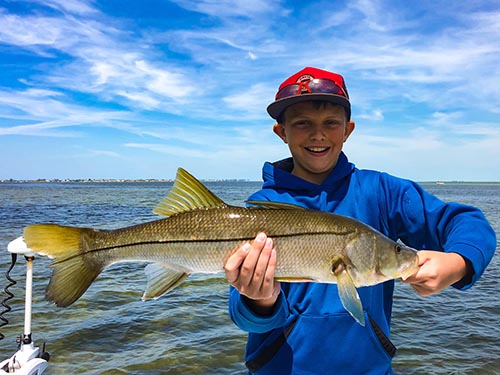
(241, 263)
(262, 266)
(251, 262)
(268, 284)
(234, 261)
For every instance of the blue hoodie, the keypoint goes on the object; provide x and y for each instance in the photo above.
(309, 331)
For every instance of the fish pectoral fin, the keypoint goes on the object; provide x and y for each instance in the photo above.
(349, 296)
(162, 278)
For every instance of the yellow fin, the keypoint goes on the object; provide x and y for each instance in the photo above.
(72, 274)
(70, 279)
(53, 240)
(187, 194)
(349, 296)
(162, 278)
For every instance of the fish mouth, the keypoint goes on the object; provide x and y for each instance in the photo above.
(409, 269)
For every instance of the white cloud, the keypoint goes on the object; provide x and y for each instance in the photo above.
(165, 83)
(251, 56)
(375, 115)
(105, 153)
(250, 101)
(231, 8)
(71, 6)
(169, 149)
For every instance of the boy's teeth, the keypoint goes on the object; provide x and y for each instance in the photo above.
(317, 149)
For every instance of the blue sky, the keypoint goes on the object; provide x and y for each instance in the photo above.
(136, 89)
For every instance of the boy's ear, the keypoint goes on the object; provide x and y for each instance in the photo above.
(349, 128)
(279, 130)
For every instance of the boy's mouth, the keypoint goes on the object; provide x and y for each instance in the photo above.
(317, 150)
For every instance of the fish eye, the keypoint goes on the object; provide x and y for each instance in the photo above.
(398, 249)
(337, 267)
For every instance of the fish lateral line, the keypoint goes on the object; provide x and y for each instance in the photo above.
(61, 259)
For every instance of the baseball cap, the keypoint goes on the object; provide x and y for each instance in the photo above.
(310, 84)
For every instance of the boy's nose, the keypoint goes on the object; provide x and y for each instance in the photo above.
(317, 133)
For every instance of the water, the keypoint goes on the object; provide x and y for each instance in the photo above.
(111, 331)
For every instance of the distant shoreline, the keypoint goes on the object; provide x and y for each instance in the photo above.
(153, 180)
(106, 180)
(439, 183)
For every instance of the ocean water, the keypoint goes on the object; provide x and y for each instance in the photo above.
(111, 331)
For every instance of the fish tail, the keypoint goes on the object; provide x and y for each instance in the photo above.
(73, 272)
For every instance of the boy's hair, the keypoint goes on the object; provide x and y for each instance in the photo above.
(317, 104)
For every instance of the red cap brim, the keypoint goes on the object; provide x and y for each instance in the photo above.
(277, 107)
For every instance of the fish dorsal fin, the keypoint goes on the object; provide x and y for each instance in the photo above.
(274, 205)
(187, 194)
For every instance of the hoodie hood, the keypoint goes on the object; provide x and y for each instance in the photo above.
(280, 185)
(278, 175)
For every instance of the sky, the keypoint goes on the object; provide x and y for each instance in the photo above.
(135, 89)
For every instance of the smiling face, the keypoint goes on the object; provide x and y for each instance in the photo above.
(315, 134)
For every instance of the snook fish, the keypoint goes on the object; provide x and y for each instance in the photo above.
(201, 230)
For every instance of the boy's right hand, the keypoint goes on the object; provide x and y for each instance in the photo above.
(250, 269)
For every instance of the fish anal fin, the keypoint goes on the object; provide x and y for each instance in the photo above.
(187, 194)
(349, 296)
(162, 278)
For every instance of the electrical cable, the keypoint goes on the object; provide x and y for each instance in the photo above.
(10, 295)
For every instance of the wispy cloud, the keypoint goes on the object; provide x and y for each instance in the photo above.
(170, 150)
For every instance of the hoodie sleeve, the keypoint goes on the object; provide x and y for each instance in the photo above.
(249, 321)
(423, 221)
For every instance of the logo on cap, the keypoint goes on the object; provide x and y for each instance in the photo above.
(304, 78)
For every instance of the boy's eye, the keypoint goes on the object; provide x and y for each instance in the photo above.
(301, 123)
(332, 123)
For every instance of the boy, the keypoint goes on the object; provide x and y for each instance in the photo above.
(302, 328)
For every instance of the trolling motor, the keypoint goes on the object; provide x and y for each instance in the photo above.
(29, 359)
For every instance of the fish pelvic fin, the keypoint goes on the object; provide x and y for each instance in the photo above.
(187, 194)
(162, 278)
(349, 296)
(72, 273)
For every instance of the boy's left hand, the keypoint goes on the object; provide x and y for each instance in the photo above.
(438, 270)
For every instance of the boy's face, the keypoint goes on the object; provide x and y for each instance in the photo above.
(315, 136)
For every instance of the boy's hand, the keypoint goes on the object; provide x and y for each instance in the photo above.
(438, 270)
(250, 269)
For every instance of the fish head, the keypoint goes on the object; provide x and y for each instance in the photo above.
(373, 258)
(396, 260)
